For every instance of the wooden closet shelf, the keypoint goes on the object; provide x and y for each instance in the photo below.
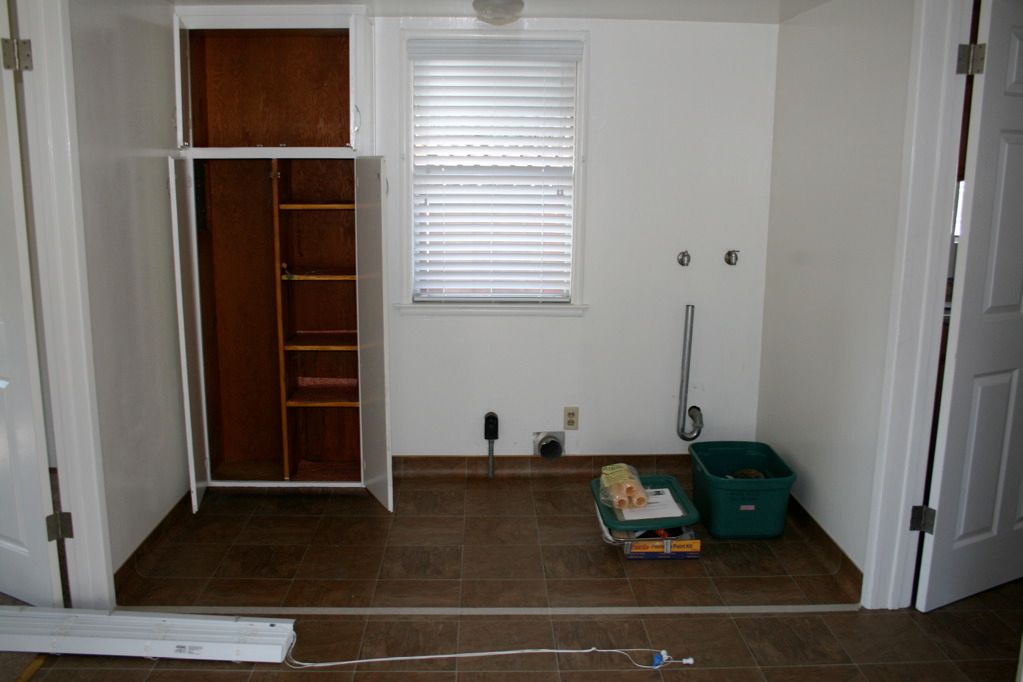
(336, 340)
(325, 395)
(333, 206)
(319, 275)
(311, 470)
(249, 470)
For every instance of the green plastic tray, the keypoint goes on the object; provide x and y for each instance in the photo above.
(690, 515)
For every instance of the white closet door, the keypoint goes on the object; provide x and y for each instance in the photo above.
(28, 562)
(978, 467)
(186, 273)
(376, 446)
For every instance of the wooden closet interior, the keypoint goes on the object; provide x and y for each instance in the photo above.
(269, 88)
(276, 250)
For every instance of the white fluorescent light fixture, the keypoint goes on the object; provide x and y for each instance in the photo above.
(146, 634)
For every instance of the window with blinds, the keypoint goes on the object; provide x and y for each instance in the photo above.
(493, 168)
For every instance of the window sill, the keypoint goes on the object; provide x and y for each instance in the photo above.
(494, 309)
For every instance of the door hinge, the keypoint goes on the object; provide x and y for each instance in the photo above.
(58, 526)
(970, 59)
(17, 54)
(921, 518)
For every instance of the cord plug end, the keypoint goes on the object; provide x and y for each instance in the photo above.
(662, 658)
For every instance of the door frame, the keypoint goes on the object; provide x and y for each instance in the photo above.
(63, 297)
(933, 116)
(31, 560)
(931, 152)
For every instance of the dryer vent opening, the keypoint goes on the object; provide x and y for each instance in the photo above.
(549, 444)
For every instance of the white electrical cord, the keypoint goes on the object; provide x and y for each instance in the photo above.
(661, 657)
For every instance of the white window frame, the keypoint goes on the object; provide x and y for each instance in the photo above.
(575, 306)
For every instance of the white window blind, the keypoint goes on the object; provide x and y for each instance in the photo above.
(493, 168)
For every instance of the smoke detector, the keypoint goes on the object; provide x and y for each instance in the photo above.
(498, 12)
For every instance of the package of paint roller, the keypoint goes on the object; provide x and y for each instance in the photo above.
(620, 487)
(662, 529)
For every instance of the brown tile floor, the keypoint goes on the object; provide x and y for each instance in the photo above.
(459, 542)
(974, 640)
(532, 542)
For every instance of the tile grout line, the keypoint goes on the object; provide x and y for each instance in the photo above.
(383, 555)
(298, 565)
(649, 640)
(838, 640)
(714, 584)
(230, 546)
(458, 645)
(745, 643)
(802, 591)
(554, 641)
(932, 640)
(461, 564)
(198, 595)
(362, 643)
(535, 518)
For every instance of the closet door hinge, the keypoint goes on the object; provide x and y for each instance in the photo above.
(970, 59)
(17, 54)
(58, 526)
(921, 518)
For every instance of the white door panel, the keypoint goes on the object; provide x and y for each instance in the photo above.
(376, 448)
(978, 470)
(28, 562)
(186, 274)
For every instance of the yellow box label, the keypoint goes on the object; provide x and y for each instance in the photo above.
(685, 545)
(663, 546)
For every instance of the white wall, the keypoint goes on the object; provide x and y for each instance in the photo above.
(123, 61)
(678, 138)
(843, 72)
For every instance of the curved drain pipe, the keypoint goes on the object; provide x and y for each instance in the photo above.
(694, 412)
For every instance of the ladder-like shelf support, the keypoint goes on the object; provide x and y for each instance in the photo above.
(308, 382)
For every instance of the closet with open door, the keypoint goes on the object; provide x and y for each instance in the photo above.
(279, 241)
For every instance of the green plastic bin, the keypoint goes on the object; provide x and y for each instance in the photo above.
(740, 507)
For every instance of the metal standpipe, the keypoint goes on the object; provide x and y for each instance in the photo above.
(694, 412)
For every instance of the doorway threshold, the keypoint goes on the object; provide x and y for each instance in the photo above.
(503, 611)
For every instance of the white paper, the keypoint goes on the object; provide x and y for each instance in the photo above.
(660, 504)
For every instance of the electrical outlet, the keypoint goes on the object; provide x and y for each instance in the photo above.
(571, 418)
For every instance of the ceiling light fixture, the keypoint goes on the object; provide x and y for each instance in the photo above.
(498, 12)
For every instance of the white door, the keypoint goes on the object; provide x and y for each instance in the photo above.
(376, 448)
(28, 562)
(978, 470)
(186, 274)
